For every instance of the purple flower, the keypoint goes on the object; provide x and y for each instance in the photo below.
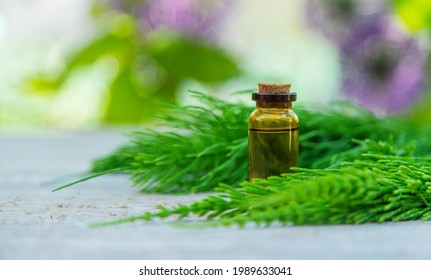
(336, 18)
(189, 17)
(383, 69)
(383, 74)
(194, 18)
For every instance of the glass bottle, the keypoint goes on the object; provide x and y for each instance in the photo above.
(273, 143)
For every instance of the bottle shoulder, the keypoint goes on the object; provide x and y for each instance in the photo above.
(273, 118)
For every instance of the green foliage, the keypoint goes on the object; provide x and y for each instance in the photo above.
(149, 68)
(416, 14)
(207, 144)
(344, 180)
(202, 146)
(184, 58)
(375, 188)
(328, 136)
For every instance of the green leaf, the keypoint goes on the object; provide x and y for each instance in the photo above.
(126, 104)
(184, 58)
(416, 14)
(107, 44)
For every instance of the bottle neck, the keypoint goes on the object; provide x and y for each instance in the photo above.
(276, 105)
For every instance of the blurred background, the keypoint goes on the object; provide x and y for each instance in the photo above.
(80, 64)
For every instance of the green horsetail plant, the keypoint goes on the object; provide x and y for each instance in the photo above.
(375, 188)
(202, 146)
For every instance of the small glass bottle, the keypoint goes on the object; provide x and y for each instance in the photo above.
(273, 143)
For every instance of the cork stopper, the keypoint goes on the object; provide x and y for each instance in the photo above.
(272, 93)
(274, 88)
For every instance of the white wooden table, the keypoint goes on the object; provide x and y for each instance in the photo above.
(38, 224)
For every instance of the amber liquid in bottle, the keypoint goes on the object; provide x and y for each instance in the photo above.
(273, 133)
